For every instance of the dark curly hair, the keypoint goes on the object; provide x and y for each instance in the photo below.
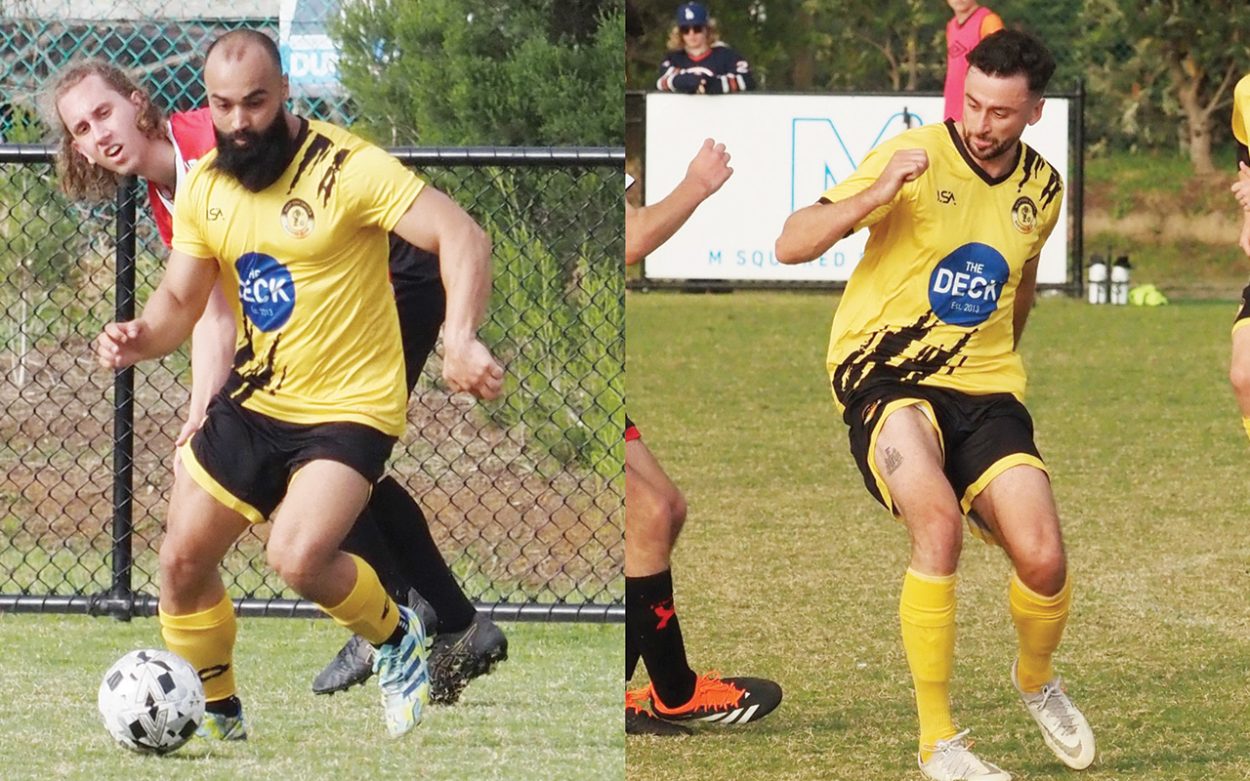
(1014, 53)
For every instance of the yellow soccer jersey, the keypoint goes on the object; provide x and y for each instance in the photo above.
(1241, 110)
(304, 264)
(931, 300)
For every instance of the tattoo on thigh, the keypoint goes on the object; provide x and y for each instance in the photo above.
(893, 460)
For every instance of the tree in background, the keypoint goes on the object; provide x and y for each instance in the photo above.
(519, 73)
(1158, 73)
(471, 72)
(1168, 68)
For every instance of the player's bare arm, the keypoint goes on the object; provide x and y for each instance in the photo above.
(1241, 191)
(812, 230)
(436, 223)
(648, 227)
(212, 354)
(168, 318)
(1024, 299)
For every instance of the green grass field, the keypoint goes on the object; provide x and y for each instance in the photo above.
(552, 711)
(788, 569)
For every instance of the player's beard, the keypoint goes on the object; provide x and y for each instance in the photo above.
(993, 153)
(262, 160)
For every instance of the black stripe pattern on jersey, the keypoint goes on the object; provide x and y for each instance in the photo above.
(326, 186)
(316, 149)
(243, 384)
(881, 358)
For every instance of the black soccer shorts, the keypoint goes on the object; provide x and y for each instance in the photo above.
(981, 437)
(245, 459)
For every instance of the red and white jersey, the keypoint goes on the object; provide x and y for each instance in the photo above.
(192, 135)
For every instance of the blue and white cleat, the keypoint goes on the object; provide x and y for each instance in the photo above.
(404, 677)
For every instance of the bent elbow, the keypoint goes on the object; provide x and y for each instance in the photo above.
(786, 253)
(483, 242)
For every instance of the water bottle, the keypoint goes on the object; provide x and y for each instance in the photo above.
(1119, 280)
(1096, 278)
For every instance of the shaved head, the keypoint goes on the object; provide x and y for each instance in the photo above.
(236, 45)
(246, 95)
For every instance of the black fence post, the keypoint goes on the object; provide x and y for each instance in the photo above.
(121, 602)
(567, 597)
(1077, 200)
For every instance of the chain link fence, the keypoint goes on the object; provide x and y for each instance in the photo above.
(525, 495)
(160, 42)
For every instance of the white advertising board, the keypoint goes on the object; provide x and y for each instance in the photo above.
(309, 54)
(786, 151)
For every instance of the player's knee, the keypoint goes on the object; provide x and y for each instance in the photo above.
(1044, 569)
(677, 511)
(942, 520)
(300, 565)
(182, 567)
(650, 513)
(937, 534)
(1239, 376)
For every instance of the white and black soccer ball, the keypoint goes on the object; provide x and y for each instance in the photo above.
(151, 701)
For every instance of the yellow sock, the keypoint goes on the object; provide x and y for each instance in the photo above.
(368, 610)
(1245, 423)
(927, 613)
(1039, 626)
(206, 640)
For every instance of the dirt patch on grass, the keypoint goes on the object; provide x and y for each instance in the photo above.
(1198, 209)
(512, 523)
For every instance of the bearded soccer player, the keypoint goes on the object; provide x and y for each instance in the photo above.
(924, 368)
(110, 128)
(1239, 371)
(294, 217)
(655, 512)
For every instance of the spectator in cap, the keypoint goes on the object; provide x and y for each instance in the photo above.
(698, 62)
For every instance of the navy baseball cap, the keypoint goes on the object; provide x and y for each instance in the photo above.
(691, 14)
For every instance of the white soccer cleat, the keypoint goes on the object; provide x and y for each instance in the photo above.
(953, 760)
(1064, 729)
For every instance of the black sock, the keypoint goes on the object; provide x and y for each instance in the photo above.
(397, 636)
(407, 535)
(632, 655)
(366, 541)
(227, 707)
(652, 619)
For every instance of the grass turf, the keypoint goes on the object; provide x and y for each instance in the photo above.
(788, 569)
(552, 711)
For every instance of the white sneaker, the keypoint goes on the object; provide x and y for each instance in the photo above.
(1064, 729)
(952, 760)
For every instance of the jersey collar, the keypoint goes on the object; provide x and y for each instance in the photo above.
(977, 169)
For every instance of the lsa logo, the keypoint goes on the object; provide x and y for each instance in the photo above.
(266, 290)
(965, 286)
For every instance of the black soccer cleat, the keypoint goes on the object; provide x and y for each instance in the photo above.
(353, 664)
(723, 701)
(459, 657)
(640, 721)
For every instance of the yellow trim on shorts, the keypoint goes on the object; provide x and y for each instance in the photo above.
(1237, 325)
(215, 489)
(974, 490)
(890, 408)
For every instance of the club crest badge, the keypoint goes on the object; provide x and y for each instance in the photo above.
(297, 218)
(1024, 215)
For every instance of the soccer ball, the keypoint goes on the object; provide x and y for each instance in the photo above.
(151, 701)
